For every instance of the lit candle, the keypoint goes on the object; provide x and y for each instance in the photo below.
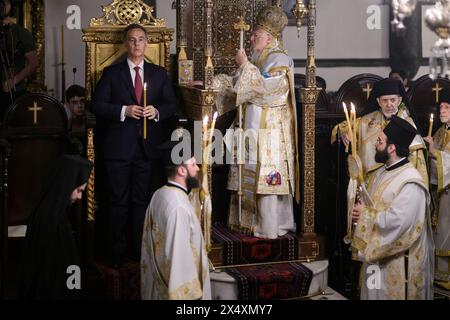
(204, 137)
(204, 156)
(349, 123)
(346, 113)
(430, 128)
(353, 113)
(145, 104)
(213, 124)
(205, 126)
(353, 128)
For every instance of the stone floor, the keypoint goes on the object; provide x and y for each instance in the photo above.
(329, 294)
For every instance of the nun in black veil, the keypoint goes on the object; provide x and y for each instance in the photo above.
(50, 246)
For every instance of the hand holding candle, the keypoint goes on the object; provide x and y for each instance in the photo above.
(349, 123)
(430, 127)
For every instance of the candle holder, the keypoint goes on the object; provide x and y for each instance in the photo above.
(401, 10)
(299, 11)
(437, 20)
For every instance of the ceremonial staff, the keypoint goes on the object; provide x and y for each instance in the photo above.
(242, 27)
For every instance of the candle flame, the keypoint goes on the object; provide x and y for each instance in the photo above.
(145, 85)
(432, 116)
(353, 106)
(205, 120)
(215, 116)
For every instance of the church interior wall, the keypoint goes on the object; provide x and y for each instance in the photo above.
(56, 15)
(338, 22)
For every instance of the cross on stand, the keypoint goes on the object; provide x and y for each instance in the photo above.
(367, 90)
(437, 88)
(35, 109)
(241, 26)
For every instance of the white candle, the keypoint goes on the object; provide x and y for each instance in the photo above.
(211, 133)
(241, 38)
(145, 104)
(353, 119)
(430, 127)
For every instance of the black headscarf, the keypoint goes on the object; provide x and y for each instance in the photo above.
(50, 245)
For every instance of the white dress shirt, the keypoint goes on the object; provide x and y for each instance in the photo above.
(131, 66)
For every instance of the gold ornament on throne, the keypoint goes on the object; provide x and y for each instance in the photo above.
(104, 47)
(124, 12)
(104, 41)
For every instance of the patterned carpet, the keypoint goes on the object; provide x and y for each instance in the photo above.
(122, 283)
(272, 282)
(239, 248)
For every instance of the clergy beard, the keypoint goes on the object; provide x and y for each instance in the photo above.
(255, 55)
(388, 116)
(191, 183)
(382, 156)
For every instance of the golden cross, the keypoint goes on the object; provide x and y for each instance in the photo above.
(437, 88)
(35, 109)
(367, 90)
(241, 26)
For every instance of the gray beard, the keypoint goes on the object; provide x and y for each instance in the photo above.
(255, 55)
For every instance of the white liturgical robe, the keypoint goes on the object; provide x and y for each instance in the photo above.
(174, 262)
(394, 237)
(440, 176)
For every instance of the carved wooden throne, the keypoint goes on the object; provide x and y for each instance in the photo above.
(205, 32)
(104, 46)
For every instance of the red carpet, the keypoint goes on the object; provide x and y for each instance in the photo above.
(272, 282)
(239, 248)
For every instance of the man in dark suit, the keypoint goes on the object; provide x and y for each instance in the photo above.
(129, 158)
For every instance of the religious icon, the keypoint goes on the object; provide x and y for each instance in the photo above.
(273, 178)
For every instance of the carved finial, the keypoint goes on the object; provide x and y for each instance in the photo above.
(241, 25)
(124, 12)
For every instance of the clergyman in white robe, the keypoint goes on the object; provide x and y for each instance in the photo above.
(174, 262)
(440, 176)
(401, 236)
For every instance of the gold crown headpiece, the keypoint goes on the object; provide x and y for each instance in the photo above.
(272, 19)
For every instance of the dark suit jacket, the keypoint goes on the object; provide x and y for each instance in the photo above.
(115, 90)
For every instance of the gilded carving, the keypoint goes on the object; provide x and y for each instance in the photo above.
(225, 40)
(34, 21)
(209, 99)
(91, 182)
(104, 47)
(124, 12)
